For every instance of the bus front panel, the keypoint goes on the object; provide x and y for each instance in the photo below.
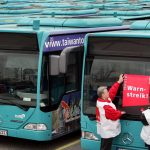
(106, 59)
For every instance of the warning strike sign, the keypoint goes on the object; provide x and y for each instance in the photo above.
(136, 90)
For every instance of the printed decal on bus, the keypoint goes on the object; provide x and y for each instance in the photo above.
(60, 42)
(66, 118)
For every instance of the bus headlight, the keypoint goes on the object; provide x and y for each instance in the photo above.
(89, 135)
(33, 126)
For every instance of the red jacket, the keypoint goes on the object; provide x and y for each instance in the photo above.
(110, 112)
(108, 124)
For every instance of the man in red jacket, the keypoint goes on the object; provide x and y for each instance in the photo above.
(107, 116)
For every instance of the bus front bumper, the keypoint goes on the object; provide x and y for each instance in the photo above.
(27, 134)
(87, 144)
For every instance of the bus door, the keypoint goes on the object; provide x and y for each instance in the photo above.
(64, 89)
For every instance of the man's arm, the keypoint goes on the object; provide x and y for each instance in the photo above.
(111, 113)
(113, 90)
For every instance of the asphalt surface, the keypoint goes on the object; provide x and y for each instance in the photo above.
(67, 142)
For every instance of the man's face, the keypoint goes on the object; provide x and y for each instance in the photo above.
(105, 94)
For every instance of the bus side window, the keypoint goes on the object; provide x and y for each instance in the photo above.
(67, 78)
(57, 88)
(71, 74)
(52, 83)
(56, 82)
(63, 83)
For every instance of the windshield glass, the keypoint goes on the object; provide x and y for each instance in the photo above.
(18, 78)
(104, 72)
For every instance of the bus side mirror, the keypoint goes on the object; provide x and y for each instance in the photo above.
(67, 57)
(54, 65)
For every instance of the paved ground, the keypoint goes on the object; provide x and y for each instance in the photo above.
(69, 142)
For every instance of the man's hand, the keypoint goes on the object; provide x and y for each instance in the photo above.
(121, 78)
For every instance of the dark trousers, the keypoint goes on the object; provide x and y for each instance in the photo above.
(106, 144)
(147, 146)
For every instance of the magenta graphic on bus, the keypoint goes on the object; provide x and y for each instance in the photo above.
(62, 41)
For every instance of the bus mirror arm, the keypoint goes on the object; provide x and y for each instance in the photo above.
(67, 57)
(54, 65)
(59, 64)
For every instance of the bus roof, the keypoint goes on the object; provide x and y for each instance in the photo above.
(116, 1)
(70, 12)
(73, 22)
(125, 13)
(57, 30)
(137, 29)
(140, 25)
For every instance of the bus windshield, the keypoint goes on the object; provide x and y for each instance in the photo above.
(18, 78)
(104, 72)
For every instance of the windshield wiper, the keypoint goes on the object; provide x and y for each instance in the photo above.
(6, 101)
